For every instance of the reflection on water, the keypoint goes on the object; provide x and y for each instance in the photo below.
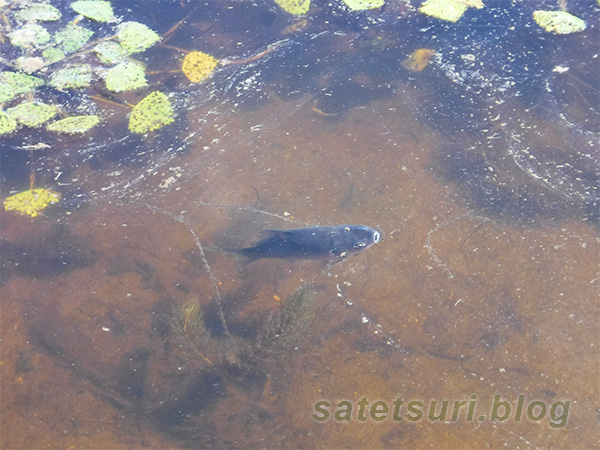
(124, 326)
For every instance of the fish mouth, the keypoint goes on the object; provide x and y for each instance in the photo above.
(376, 236)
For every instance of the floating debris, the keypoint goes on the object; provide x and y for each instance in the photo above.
(29, 64)
(418, 59)
(126, 76)
(559, 22)
(198, 65)
(100, 11)
(295, 7)
(31, 202)
(153, 112)
(74, 124)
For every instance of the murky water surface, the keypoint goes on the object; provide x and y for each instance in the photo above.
(124, 326)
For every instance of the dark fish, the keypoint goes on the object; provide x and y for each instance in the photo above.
(311, 243)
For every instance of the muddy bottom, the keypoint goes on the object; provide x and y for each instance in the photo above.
(116, 335)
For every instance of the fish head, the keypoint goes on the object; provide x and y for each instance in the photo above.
(358, 238)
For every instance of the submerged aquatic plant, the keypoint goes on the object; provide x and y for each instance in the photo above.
(282, 329)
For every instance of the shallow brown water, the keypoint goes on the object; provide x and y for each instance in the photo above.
(453, 303)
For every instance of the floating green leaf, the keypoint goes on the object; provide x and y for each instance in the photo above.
(31, 34)
(136, 37)
(74, 124)
(126, 76)
(32, 114)
(31, 202)
(295, 7)
(13, 83)
(73, 77)
(52, 55)
(359, 5)
(100, 11)
(7, 123)
(559, 22)
(38, 11)
(450, 10)
(72, 38)
(109, 52)
(151, 113)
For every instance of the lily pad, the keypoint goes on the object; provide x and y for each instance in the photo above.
(72, 77)
(52, 55)
(31, 202)
(72, 38)
(100, 11)
(136, 37)
(360, 5)
(31, 34)
(38, 11)
(7, 123)
(13, 83)
(198, 65)
(295, 7)
(153, 112)
(109, 52)
(559, 22)
(32, 114)
(74, 124)
(127, 76)
(450, 10)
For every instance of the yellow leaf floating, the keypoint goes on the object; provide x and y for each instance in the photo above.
(418, 59)
(153, 112)
(198, 65)
(295, 7)
(31, 202)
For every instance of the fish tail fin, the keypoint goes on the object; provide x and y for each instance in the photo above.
(241, 254)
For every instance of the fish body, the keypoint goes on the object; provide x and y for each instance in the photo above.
(311, 243)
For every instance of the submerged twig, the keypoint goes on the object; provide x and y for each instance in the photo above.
(211, 276)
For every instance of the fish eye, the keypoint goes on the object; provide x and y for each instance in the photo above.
(376, 237)
(360, 245)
